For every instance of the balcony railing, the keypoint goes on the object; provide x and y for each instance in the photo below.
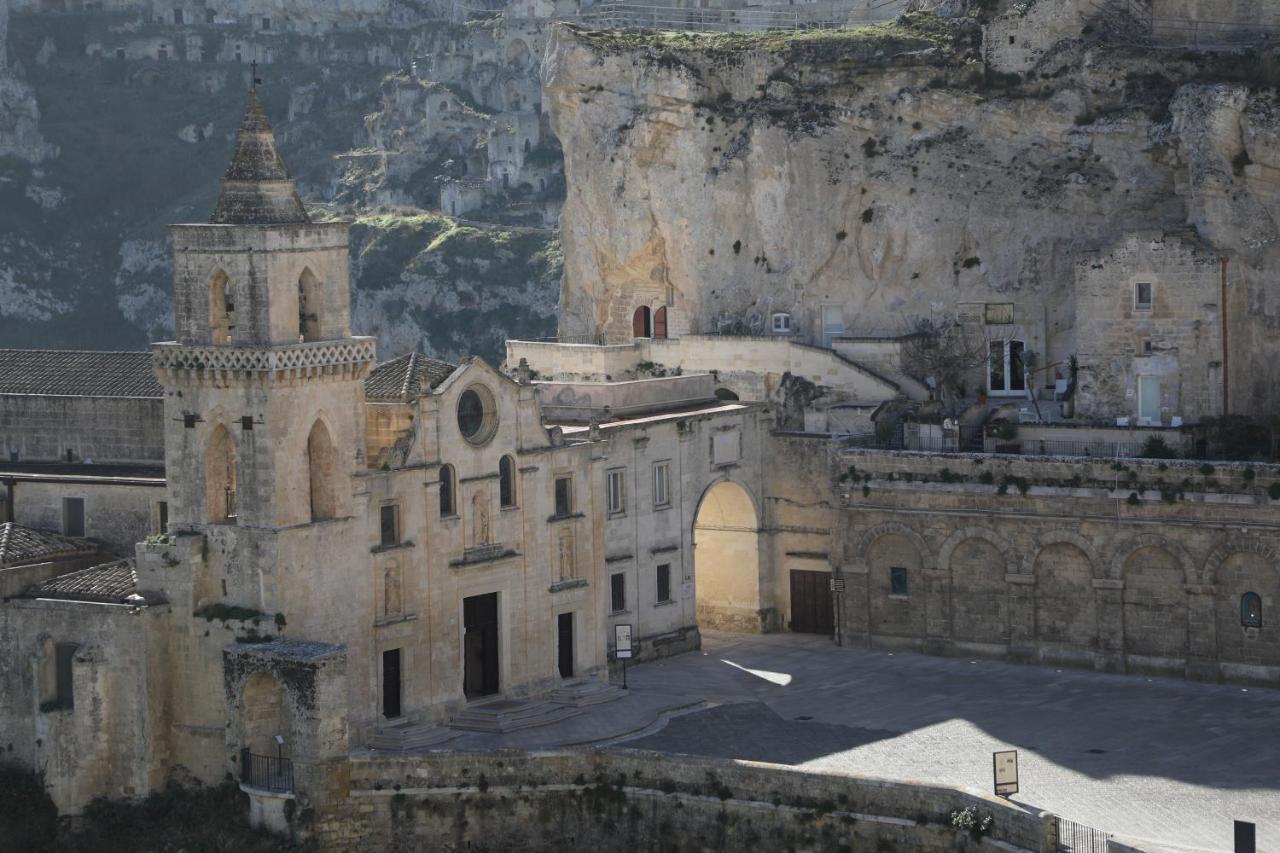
(266, 772)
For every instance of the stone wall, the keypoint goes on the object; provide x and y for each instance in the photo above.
(117, 515)
(105, 430)
(624, 799)
(1131, 566)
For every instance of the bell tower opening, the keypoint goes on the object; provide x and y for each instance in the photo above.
(309, 302)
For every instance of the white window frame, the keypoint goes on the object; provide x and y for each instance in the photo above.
(781, 323)
(616, 491)
(661, 484)
(1149, 305)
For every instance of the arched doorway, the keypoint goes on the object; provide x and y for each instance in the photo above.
(264, 714)
(641, 323)
(726, 557)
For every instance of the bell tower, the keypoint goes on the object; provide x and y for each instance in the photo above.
(264, 384)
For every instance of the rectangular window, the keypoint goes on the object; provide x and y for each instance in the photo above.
(617, 593)
(617, 492)
(73, 516)
(162, 516)
(661, 484)
(564, 496)
(266, 23)
(1142, 296)
(65, 696)
(664, 583)
(781, 324)
(997, 313)
(177, 17)
(390, 525)
(897, 581)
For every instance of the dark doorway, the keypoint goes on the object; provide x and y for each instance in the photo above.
(640, 323)
(564, 626)
(480, 652)
(811, 611)
(391, 683)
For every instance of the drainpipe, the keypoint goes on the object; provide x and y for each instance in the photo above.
(8, 499)
(1226, 407)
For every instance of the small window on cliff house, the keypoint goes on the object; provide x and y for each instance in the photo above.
(163, 53)
(781, 324)
(266, 24)
(177, 17)
(209, 15)
(897, 581)
(1142, 293)
(1251, 610)
(119, 53)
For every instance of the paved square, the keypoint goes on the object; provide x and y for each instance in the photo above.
(1156, 759)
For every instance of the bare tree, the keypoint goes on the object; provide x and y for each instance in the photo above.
(943, 353)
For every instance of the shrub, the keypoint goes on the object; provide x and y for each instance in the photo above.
(1155, 447)
(28, 817)
(1206, 469)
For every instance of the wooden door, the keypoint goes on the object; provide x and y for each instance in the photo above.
(811, 610)
(480, 645)
(660, 322)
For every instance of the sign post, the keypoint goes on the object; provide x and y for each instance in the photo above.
(622, 648)
(1005, 770)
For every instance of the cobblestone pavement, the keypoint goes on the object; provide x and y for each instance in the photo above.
(1156, 759)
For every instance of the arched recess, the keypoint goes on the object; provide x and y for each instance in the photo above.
(310, 306)
(896, 558)
(265, 713)
(1120, 556)
(726, 549)
(448, 491)
(221, 479)
(1241, 567)
(1066, 605)
(506, 482)
(322, 472)
(641, 323)
(976, 561)
(660, 322)
(222, 309)
(1155, 599)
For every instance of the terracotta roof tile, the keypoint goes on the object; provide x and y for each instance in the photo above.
(110, 583)
(77, 373)
(20, 545)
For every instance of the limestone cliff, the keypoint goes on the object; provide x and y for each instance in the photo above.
(860, 178)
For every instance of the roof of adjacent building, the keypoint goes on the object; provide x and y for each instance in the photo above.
(406, 377)
(77, 373)
(257, 189)
(20, 545)
(109, 583)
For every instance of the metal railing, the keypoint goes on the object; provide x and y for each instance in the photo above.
(978, 440)
(268, 772)
(1072, 837)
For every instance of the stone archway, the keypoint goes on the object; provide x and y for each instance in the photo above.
(264, 714)
(726, 559)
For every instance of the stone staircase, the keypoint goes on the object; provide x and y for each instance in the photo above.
(406, 736)
(509, 715)
(581, 694)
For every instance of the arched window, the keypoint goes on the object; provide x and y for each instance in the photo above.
(220, 476)
(640, 327)
(1251, 610)
(448, 503)
(322, 468)
(506, 481)
(309, 304)
(222, 309)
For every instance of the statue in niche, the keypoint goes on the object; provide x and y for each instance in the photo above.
(566, 556)
(391, 603)
(480, 504)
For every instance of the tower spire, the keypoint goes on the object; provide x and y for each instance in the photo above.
(257, 189)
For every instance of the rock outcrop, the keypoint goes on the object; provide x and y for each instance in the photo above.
(864, 177)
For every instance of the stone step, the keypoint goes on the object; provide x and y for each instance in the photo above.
(409, 736)
(581, 694)
(509, 715)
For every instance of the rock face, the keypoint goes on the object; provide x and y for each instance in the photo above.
(859, 179)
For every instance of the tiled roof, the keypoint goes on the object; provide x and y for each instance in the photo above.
(20, 544)
(406, 377)
(110, 583)
(257, 189)
(77, 373)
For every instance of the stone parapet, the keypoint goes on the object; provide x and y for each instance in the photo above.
(347, 359)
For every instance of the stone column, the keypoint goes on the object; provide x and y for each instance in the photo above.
(1022, 617)
(937, 611)
(1109, 598)
(1202, 633)
(856, 607)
